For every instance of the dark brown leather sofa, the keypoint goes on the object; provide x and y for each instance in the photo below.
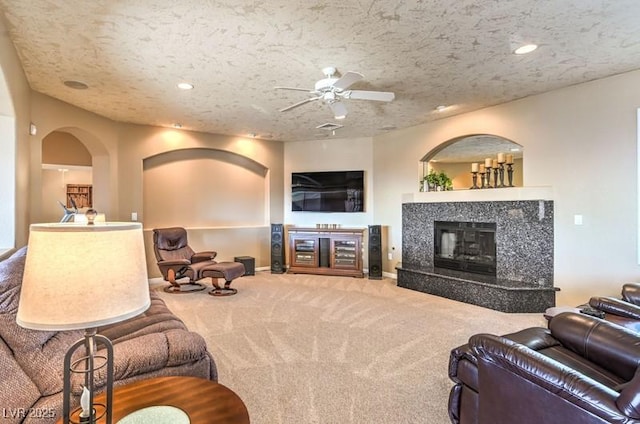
(579, 370)
(624, 311)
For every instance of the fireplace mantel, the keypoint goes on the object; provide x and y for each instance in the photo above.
(481, 195)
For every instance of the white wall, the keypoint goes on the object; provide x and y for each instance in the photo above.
(580, 140)
(329, 155)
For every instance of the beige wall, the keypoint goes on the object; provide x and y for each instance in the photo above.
(99, 135)
(582, 142)
(144, 142)
(118, 153)
(15, 146)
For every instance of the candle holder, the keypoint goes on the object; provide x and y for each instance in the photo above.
(496, 172)
(488, 173)
(474, 178)
(482, 180)
(501, 176)
(510, 174)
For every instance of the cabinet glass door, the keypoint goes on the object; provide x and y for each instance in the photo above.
(305, 252)
(345, 254)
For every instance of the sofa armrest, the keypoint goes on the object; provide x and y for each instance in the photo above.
(174, 263)
(631, 293)
(203, 256)
(611, 305)
(614, 348)
(535, 338)
(514, 378)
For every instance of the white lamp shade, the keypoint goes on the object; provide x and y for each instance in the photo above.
(83, 276)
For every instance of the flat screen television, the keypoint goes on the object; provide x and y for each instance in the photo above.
(330, 191)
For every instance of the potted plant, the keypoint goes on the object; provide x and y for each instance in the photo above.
(435, 181)
(444, 182)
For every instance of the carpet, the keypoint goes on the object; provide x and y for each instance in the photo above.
(313, 349)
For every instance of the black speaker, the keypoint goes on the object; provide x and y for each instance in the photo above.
(248, 262)
(375, 252)
(277, 248)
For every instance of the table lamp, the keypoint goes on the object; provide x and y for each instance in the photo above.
(83, 277)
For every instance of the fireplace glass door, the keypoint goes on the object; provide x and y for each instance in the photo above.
(465, 246)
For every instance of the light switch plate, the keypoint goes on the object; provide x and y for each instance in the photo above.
(134, 216)
(577, 219)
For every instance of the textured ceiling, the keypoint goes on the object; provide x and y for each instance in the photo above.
(132, 54)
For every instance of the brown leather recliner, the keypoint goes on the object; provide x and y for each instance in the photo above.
(579, 370)
(177, 260)
(624, 311)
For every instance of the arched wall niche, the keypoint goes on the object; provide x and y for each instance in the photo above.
(204, 188)
(455, 157)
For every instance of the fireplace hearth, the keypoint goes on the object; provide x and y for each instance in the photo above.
(465, 246)
(496, 254)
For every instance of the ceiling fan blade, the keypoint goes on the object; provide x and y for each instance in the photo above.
(339, 110)
(380, 96)
(347, 80)
(294, 88)
(300, 103)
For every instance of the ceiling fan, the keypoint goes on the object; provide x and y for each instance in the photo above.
(333, 90)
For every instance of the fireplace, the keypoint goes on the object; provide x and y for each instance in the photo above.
(465, 246)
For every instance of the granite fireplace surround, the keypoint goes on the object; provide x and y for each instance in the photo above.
(524, 254)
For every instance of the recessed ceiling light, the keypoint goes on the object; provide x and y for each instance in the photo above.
(387, 128)
(185, 86)
(514, 149)
(441, 108)
(340, 117)
(177, 125)
(527, 48)
(76, 85)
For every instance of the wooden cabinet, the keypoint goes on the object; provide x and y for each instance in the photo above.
(327, 251)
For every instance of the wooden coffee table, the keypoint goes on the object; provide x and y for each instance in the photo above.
(202, 400)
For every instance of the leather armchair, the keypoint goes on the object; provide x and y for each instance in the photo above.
(579, 370)
(177, 260)
(625, 311)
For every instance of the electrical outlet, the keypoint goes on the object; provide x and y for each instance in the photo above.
(390, 256)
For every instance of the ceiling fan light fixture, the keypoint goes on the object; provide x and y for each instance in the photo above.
(339, 117)
(527, 48)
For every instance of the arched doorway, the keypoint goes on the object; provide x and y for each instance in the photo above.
(77, 140)
(67, 175)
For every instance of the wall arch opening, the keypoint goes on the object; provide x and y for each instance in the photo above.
(455, 158)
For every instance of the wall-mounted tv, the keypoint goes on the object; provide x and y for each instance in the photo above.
(331, 191)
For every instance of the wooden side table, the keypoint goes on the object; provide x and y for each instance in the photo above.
(202, 400)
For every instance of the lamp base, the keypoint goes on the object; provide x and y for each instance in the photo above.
(87, 365)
